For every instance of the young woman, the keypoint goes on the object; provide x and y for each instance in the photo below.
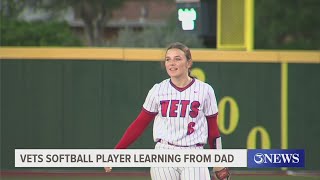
(184, 111)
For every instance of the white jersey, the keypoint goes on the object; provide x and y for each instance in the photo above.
(181, 112)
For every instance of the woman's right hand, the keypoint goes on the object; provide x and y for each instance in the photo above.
(108, 169)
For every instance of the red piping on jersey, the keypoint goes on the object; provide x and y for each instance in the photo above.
(213, 131)
(184, 88)
(149, 112)
(135, 129)
(213, 115)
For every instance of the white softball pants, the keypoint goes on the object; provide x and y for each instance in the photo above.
(178, 173)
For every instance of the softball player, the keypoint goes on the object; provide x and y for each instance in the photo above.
(184, 111)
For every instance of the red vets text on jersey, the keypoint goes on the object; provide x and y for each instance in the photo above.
(172, 108)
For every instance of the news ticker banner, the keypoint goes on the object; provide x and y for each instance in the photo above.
(158, 158)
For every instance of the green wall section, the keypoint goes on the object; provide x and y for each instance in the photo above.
(89, 104)
(256, 90)
(304, 109)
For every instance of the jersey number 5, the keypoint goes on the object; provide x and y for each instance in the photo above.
(191, 128)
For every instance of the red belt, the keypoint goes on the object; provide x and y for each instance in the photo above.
(165, 142)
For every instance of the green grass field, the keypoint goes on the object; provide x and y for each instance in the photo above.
(148, 178)
(144, 175)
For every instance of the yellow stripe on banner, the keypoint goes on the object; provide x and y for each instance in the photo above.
(140, 54)
(46, 53)
(284, 106)
(157, 54)
(234, 56)
(296, 56)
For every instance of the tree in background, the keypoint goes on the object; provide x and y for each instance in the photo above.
(287, 24)
(94, 13)
(37, 33)
(17, 32)
(157, 36)
(10, 9)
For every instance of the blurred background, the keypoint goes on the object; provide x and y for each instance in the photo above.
(288, 24)
(74, 74)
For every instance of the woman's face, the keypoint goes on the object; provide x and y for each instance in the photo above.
(176, 63)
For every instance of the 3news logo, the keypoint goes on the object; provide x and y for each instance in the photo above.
(273, 158)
